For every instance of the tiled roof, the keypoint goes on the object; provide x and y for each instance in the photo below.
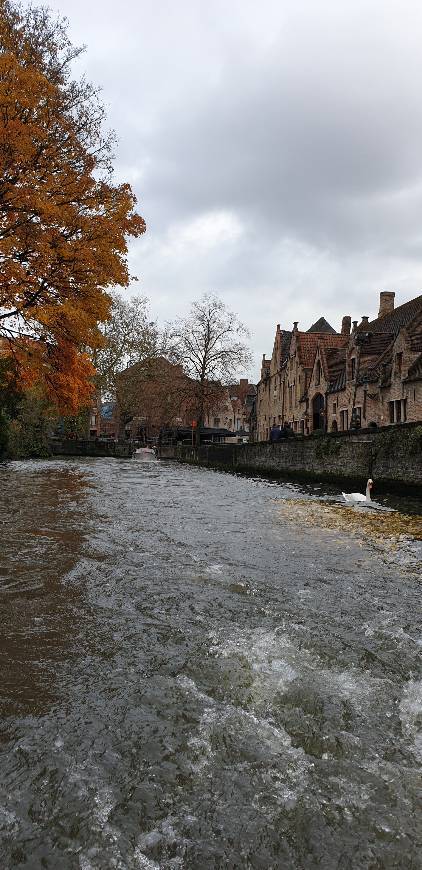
(322, 325)
(393, 322)
(415, 370)
(339, 382)
(375, 345)
(307, 344)
(285, 345)
(336, 368)
(416, 342)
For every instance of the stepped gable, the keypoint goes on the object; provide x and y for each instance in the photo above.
(286, 337)
(322, 326)
(265, 368)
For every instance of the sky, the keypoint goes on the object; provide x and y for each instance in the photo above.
(275, 149)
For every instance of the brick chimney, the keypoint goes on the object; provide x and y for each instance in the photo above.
(355, 325)
(364, 320)
(346, 324)
(295, 325)
(386, 302)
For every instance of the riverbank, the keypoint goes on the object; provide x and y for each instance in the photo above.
(392, 456)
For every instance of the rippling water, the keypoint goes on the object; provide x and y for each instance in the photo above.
(189, 681)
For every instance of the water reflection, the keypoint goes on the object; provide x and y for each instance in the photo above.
(42, 526)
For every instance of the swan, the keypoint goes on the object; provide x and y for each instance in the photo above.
(356, 497)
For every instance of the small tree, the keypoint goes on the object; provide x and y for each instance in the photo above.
(129, 338)
(210, 345)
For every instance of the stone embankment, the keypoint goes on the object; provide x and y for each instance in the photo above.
(77, 447)
(392, 456)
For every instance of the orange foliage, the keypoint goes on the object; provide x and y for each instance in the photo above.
(63, 223)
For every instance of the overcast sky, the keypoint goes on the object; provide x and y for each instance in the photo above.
(275, 149)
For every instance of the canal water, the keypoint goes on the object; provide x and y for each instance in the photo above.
(192, 678)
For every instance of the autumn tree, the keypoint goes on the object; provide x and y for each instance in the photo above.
(210, 345)
(64, 224)
(130, 338)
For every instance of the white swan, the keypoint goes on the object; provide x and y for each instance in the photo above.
(356, 497)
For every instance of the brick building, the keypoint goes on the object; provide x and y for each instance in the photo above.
(233, 411)
(151, 396)
(368, 374)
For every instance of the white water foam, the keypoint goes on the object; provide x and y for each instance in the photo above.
(410, 710)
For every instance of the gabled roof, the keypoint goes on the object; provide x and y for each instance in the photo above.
(322, 325)
(393, 322)
(375, 344)
(307, 344)
(334, 364)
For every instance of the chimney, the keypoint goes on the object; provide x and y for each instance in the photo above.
(364, 320)
(355, 325)
(295, 324)
(346, 324)
(278, 327)
(386, 302)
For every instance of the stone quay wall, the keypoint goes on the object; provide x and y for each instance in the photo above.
(391, 456)
(77, 447)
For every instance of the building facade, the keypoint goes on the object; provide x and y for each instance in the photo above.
(368, 375)
(233, 410)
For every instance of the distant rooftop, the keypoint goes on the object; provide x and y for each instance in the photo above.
(322, 325)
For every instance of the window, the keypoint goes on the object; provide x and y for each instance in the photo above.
(216, 421)
(344, 420)
(391, 411)
(353, 367)
(399, 364)
(334, 407)
(404, 409)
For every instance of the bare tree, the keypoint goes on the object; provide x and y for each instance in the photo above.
(210, 345)
(129, 338)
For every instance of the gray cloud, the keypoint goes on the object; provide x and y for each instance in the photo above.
(275, 149)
